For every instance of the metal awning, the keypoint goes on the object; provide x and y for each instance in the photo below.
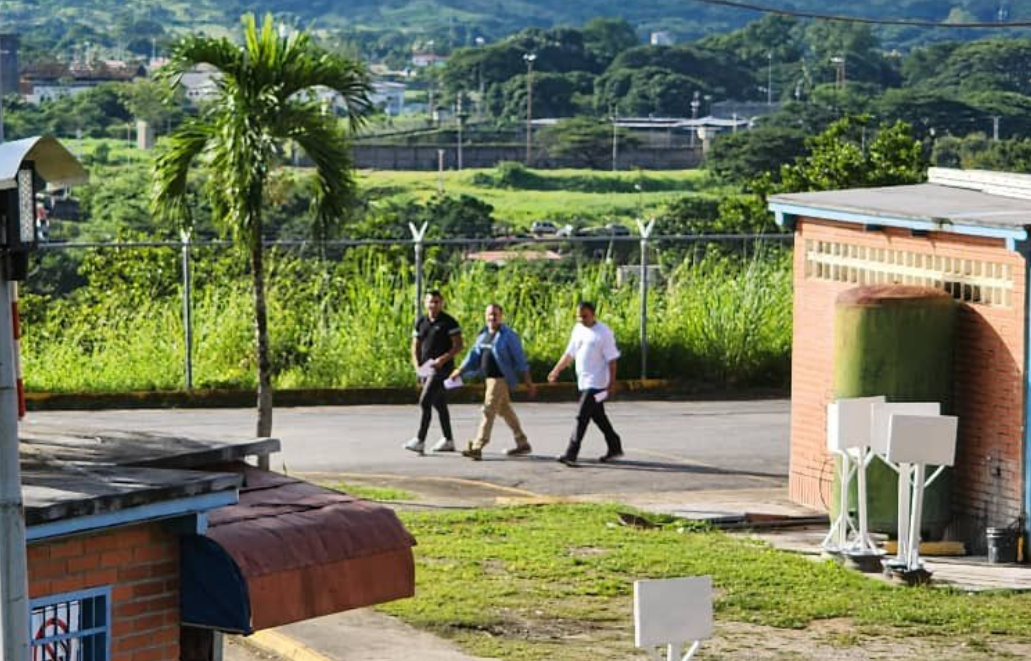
(291, 551)
(54, 164)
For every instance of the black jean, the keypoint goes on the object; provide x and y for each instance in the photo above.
(434, 396)
(591, 409)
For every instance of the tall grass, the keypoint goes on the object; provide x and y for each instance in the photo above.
(347, 322)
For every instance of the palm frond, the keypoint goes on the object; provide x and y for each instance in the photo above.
(326, 143)
(171, 169)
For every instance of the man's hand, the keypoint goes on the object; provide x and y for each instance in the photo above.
(613, 388)
(553, 376)
(455, 373)
(439, 361)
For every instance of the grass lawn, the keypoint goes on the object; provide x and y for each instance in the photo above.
(555, 583)
(520, 206)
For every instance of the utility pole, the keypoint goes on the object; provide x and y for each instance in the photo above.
(769, 78)
(615, 139)
(995, 128)
(839, 63)
(461, 121)
(529, 58)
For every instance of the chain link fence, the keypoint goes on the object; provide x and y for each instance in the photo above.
(179, 314)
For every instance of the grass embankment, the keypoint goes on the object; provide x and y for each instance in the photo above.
(348, 323)
(554, 583)
(590, 197)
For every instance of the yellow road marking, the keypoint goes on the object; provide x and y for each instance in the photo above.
(282, 645)
(444, 480)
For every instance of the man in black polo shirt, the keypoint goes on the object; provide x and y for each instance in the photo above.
(436, 340)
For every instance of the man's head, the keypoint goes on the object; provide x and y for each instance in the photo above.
(434, 302)
(585, 313)
(493, 316)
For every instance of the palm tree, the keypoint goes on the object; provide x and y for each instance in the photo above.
(266, 96)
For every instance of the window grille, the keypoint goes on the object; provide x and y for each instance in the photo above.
(72, 627)
(968, 280)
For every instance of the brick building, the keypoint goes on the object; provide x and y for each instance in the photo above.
(965, 232)
(145, 547)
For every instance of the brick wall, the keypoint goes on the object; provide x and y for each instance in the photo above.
(140, 563)
(988, 393)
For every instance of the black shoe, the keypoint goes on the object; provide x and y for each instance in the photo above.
(610, 456)
(568, 461)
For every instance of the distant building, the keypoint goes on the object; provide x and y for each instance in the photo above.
(49, 81)
(661, 38)
(390, 97)
(200, 84)
(423, 60)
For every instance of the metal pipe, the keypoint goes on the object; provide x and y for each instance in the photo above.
(645, 230)
(14, 588)
(187, 309)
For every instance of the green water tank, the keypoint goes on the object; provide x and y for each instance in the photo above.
(896, 341)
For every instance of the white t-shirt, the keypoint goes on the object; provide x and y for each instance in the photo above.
(593, 348)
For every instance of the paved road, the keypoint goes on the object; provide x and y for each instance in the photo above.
(670, 446)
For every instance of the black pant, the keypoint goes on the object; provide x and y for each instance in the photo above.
(591, 409)
(434, 396)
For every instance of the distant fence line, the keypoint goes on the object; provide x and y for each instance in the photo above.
(418, 243)
(429, 157)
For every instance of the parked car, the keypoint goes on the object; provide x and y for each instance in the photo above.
(542, 227)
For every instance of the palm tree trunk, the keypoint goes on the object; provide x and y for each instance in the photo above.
(262, 345)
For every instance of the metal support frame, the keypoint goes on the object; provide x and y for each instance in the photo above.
(418, 237)
(187, 310)
(646, 231)
(672, 651)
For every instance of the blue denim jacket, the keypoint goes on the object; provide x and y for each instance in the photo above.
(508, 351)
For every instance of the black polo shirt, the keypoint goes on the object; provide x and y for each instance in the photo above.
(435, 337)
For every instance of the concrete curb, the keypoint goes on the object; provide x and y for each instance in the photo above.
(282, 645)
(236, 398)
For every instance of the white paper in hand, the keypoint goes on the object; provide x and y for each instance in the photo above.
(451, 384)
(601, 396)
(425, 370)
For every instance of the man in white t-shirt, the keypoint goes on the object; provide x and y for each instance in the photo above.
(593, 347)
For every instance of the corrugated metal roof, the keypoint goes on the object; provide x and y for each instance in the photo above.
(305, 551)
(931, 203)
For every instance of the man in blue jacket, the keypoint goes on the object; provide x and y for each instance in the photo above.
(497, 355)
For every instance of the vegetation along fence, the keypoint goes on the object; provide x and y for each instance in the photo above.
(168, 315)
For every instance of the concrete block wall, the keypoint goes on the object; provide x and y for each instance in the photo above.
(140, 564)
(989, 386)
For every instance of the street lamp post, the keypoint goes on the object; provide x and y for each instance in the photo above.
(529, 59)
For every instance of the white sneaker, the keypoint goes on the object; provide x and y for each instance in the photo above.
(444, 445)
(415, 445)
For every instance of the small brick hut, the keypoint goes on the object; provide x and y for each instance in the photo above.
(965, 232)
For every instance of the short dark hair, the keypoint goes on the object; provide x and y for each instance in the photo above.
(495, 305)
(585, 305)
(436, 293)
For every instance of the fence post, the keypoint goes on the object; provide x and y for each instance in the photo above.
(187, 316)
(645, 230)
(417, 239)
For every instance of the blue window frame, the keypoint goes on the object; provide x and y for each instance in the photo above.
(72, 627)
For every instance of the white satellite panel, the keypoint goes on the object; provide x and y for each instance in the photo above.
(882, 415)
(922, 439)
(672, 610)
(848, 422)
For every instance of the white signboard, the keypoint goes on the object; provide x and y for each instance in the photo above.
(882, 414)
(848, 422)
(672, 610)
(922, 439)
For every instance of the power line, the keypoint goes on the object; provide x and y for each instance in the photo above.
(766, 9)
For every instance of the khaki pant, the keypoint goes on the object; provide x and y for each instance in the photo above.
(497, 401)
